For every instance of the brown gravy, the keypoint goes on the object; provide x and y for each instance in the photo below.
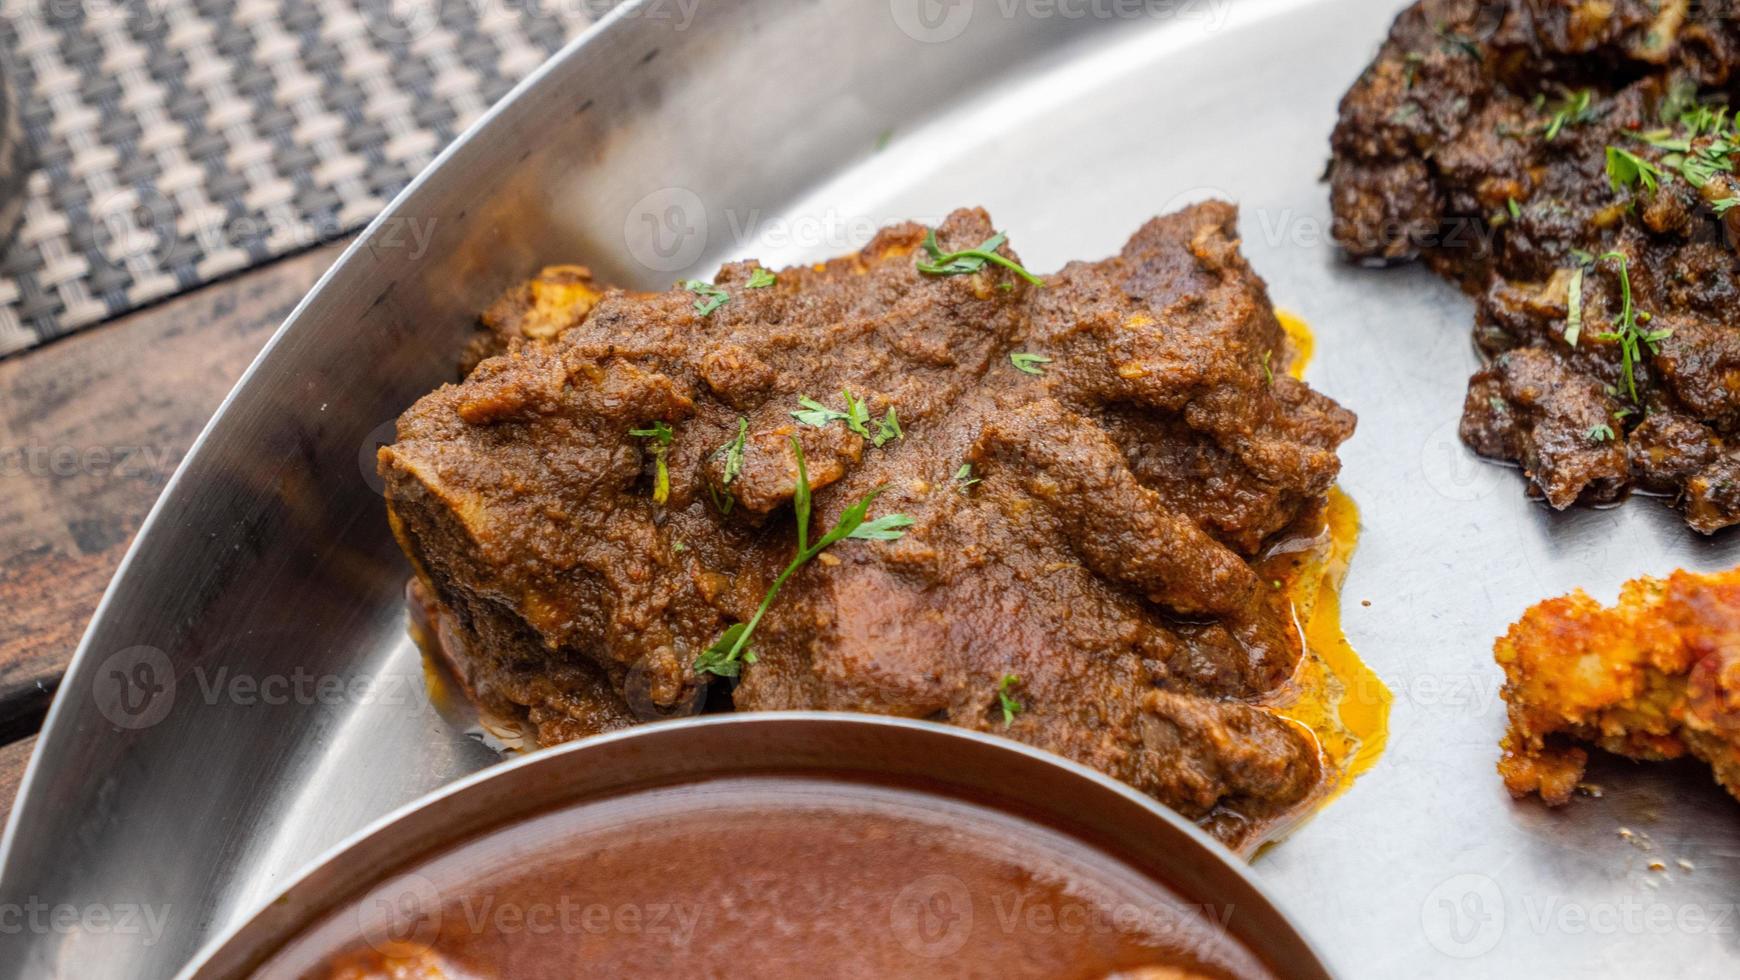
(772, 877)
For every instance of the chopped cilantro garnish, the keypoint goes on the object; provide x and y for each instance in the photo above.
(888, 428)
(970, 260)
(1005, 700)
(1709, 161)
(1572, 109)
(760, 279)
(964, 477)
(660, 434)
(1574, 307)
(731, 650)
(1725, 205)
(728, 653)
(856, 416)
(734, 452)
(1625, 168)
(1028, 363)
(1601, 433)
(1627, 332)
(709, 296)
(816, 414)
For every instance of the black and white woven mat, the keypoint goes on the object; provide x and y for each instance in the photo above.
(177, 141)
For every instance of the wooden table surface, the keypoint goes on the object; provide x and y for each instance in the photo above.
(91, 428)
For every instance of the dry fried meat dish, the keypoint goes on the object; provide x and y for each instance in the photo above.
(1656, 676)
(1057, 494)
(1571, 166)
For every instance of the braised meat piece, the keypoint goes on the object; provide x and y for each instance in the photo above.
(1571, 165)
(1654, 677)
(1070, 484)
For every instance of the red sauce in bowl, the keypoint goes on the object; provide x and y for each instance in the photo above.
(771, 877)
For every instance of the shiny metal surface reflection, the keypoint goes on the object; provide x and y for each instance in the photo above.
(246, 698)
(934, 760)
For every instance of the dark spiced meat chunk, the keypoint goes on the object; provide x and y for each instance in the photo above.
(1572, 166)
(1084, 473)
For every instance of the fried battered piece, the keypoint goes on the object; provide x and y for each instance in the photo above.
(1082, 522)
(1571, 166)
(1654, 677)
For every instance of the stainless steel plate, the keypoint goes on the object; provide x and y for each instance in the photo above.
(246, 698)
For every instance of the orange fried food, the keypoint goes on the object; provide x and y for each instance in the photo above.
(1654, 677)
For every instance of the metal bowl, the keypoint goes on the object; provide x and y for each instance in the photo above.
(937, 762)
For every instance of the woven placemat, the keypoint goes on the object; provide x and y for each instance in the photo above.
(177, 141)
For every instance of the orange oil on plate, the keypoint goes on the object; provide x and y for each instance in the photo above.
(1332, 692)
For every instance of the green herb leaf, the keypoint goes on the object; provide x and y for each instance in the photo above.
(711, 297)
(1702, 118)
(661, 436)
(1005, 700)
(657, 430)
(735, 451)
(888, 428)
(1664, 139)
(969, 261)
(1725, 205)
(727, 654)
(815, 413)
(760, 279)
(1601, 433)
(964, 477)
(1572, 109)
(731, 649)
(857, 416)
(1028, 363)
(1574, 307)
(1514, 208)
(1625, 169)
(888, 527)
(1627, 331)
(800, 498)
